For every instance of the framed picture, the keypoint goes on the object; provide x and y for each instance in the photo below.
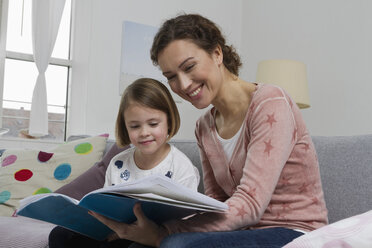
(135, 55)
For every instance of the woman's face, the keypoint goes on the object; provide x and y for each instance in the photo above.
(192, 73)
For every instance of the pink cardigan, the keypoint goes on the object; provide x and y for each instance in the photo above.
(272, 179)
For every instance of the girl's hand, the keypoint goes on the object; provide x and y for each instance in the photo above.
(143, 231)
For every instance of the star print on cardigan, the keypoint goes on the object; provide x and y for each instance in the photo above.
(271, 119)
(314, 200)
(252, 192)
(278, 216)
(286, 206)
(268, 147)
(231, 205)
(278, 213)
(304, 187)
(306, 147)
(241, 212)
(270, 208)
(285, 180)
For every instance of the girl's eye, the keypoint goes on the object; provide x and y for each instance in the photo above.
(154, 124)
(134, 127)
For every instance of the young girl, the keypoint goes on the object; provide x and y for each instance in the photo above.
(147, 119)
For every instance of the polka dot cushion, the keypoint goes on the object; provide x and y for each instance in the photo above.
(28, 172)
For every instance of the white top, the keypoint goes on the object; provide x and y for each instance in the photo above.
(228, 145)
(176, 165)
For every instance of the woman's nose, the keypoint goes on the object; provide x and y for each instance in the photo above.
(184, 82)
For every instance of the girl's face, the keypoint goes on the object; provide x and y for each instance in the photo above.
(192, 73)
(147, 128)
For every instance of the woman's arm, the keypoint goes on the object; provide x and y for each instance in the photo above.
(270, 145)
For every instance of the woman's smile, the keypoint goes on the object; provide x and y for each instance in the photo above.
(195, 92)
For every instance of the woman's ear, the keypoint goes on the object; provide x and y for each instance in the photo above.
(217, 54)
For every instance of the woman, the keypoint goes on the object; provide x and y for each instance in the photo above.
(256, 152)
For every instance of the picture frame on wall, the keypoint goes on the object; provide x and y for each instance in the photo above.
(135, 55)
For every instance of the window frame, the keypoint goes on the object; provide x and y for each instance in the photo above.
(4, 54)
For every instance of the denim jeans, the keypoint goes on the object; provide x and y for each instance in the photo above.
(60, 237)
(258, 238)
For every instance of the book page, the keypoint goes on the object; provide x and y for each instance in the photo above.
(165, 187)
(164, 200)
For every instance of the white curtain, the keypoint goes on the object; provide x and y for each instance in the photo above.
(46, 17)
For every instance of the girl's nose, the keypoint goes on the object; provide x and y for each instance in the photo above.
(144, 131)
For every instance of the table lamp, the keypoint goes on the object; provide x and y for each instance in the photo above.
(288, 74)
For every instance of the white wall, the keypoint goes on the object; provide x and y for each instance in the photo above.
(334, 39)
(96, 56)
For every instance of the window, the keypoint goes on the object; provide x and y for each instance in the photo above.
(20, 72)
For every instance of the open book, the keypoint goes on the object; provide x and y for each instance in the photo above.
(161, 199)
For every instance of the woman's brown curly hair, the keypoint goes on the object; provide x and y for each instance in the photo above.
(201, 31)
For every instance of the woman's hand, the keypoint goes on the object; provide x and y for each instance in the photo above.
(143, 231)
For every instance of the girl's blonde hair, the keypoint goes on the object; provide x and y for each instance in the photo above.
(152, 94)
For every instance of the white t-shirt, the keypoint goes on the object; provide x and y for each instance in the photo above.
(176, 165)
(229, 144)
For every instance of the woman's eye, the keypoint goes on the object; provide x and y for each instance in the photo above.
(189, 67)
(170, 79)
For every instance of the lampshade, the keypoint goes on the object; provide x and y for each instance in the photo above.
(288, 74)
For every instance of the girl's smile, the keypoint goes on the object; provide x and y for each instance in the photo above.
(148, 131)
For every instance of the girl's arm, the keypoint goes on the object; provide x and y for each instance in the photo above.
(143, 231)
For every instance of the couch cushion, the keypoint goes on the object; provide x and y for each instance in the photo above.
(22, 232)
(93, 178)
(26, 172)
(354, 231)
(191, 150)
(346, 167)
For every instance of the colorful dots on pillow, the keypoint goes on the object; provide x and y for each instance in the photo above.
(4, 196)
(25, 172)
(23, 175)
(9, 160)
(42, 191)
(44, 156)
(62, 171)
(83, 148)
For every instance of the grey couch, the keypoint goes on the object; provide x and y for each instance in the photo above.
(345, 167)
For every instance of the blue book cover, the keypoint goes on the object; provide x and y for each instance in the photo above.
(161, 199)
